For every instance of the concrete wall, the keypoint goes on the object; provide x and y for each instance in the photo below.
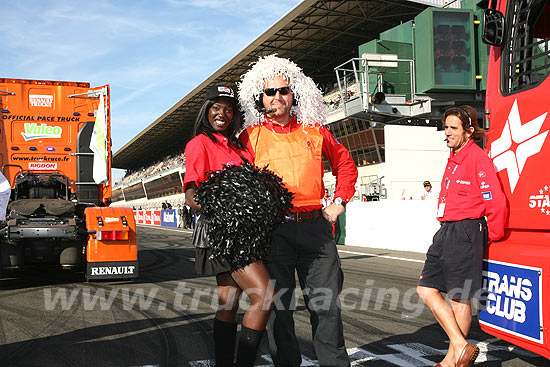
(406, 225)
(413, 154)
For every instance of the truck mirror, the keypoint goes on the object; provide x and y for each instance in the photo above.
(493, 27)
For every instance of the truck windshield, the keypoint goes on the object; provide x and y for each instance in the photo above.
(527, 45)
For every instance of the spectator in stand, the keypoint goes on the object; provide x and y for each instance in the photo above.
(190, 217)
(179, 220)
(364, 198)
(164, 205)
(193, 215)
(187, 216)
(429, 192)
(214, 145)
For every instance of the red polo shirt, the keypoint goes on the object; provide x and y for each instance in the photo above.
(343, 166)
(203, 155)
(470, 189)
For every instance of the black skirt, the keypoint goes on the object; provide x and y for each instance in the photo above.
(203, 264)
(206, 266)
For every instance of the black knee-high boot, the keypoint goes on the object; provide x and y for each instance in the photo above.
(249, 341)
(224, 342)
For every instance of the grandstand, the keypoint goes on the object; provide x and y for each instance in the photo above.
(319, 36)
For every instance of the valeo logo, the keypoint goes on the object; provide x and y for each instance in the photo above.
(35, 131)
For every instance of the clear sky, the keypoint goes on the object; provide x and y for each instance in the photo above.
(151, 53)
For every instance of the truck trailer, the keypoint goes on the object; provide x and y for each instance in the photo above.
(55, 151)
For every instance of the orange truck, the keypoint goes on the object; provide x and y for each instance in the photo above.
(55, 151)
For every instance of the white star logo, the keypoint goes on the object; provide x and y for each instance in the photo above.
(529, 144)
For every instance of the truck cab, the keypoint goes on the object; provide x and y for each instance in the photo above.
(517, 268)
(55, 153)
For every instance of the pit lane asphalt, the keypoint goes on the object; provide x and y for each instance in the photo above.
(164, 318)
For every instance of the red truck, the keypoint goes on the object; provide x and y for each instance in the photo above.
(517, 269)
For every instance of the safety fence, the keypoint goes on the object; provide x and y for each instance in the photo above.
(158, 217)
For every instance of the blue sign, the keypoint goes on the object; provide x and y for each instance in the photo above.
(514, 299)
(168, 218)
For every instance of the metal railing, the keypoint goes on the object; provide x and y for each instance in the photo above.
(358, 71)
(372, 187)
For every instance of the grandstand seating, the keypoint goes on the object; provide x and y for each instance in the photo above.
(333, 99)
(170, 163)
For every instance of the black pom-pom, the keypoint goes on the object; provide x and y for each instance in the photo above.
(243, 205)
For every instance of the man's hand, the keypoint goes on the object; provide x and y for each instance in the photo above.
(332, 212)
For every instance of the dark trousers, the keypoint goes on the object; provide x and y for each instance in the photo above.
(309, 249)
(187, 221)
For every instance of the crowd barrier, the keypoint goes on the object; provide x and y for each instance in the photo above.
(159, 217)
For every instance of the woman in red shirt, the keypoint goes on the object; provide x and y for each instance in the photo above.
(213, 146)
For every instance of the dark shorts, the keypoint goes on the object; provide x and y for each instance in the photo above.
(454, 260)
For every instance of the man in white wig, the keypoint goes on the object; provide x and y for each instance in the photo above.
(284, 119)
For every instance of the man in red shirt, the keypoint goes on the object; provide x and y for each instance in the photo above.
(470, 191)
(285, 115)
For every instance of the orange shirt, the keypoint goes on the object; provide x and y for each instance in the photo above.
(295, 157)
(343, 166)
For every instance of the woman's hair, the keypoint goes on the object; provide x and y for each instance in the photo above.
(203, 126)
(468, 117)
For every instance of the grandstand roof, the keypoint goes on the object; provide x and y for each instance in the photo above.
(316, 34)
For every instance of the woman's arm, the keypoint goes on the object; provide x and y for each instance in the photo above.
(190, 190)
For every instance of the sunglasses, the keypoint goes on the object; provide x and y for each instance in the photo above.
(270, 92)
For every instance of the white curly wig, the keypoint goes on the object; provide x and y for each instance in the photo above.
(310, 108)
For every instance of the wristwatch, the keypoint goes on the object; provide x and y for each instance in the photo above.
(339, 201)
